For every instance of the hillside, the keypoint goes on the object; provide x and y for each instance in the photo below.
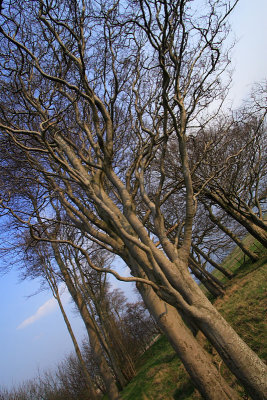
(160, 374)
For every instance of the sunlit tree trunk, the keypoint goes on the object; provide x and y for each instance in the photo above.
(89, 383)
(240, 359)
(254, 225)
(75, 108)
(246, 250)
(197, 362)
(106, 374)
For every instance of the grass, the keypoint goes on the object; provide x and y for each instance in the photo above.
(237, 263)
(161, 376)
(244, 306)
(158, 371)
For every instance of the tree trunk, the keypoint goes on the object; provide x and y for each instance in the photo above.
(116, 344)
(253, 256)
(240, 359)
(89, 383)
(205, 376)
(226, 273)
(211, 284)
(181, 291)
(105, 371)
(258, 230)
(111, 352)
(105, 340)
(213, 289)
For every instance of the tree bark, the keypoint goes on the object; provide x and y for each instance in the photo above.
(257, 228)
(89, 383)
(205, 376)
(106, 374)
(240, 359)
(209, 284)
(253, 256)
(105, 340)
(226, 273)
(104, 334)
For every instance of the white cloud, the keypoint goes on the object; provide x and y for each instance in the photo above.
(48, 307)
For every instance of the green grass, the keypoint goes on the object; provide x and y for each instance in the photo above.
(236, 262)
(161, 375)
(244, 306)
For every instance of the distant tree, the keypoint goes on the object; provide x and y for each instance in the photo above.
(218, 220)
(138, 327)
(38, 263)
(231, 172)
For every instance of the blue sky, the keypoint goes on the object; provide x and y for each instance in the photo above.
(33, 336)
(250, 52)
(32, 331)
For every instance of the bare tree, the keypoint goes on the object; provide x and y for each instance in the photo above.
(91, 93)
(217, 219)
(38, 261)
(232, 167)
(93, 287)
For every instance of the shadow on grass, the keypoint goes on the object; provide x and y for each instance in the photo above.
(247, 266)
(184, 391)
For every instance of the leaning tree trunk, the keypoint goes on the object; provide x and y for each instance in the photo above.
(105, 371)
(111, 353)
(246, 250)
(114, 338)
(88, 381)
(104, 338)
(255, 226)
(168, 270)
(240, 359)
(213, 286)
(205, 376)
(50, 277)
(226, 273)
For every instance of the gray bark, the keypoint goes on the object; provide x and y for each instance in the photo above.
(106, 374)
(197, 362)
(240, 359)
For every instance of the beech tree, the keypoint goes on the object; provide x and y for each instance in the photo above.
(217, 219)
(231, 171)
(93, 287)
(104, 307)
(123, 329)
(39, 264)
(91, 93)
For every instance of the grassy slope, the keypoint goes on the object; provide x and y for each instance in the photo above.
(161, 375)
